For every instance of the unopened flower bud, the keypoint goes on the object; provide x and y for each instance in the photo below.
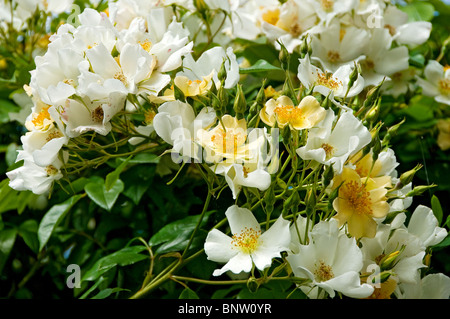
(419, 190)
(310, 202)
(408, 176)
(222, 74)
(391, 132)
(388, 261)
(283, 57)
(373, 95)
(252, 284)
(353, 76)
(222, 95)
(201, 6)
(240, 104)
(269, 200)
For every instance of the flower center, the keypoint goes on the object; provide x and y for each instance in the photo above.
(327, 5)
(228, 142)
(323, 272)
(149, 115)
(329, 150)
(327, 80)
(51, 170)
(247, 240)
(146, 45)
(288, 114)
(357, 197)
(41, 117)
(97, 115)
(333, 56)
(54, 133)
(271, 16)
(122, 78)
(444, 86)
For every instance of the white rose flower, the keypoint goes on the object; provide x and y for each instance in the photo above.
(248, 245)
(331, 144)
(331, 261)
(436, 83)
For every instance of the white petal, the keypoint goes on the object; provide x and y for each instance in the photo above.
(218, 247)
(240, 218)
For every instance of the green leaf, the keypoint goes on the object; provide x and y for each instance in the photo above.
(188, 294)
(7, 239)
(260, 66)
(175, 236)
(107, 292)
(104, 198)
(419, 11)
(112, 177)
(7, 107)
(437, 208)
(28, 231)
(124, 257)
(52, 218)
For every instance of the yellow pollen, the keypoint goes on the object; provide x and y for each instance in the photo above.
(146, 45)
(289, 114)
(93, 45)
(195, 81)
(323, 272)
(333, 56)
(97, 115)
(446, 68)
(391, 29)
(328, 81)
(368, 64)
(271, 16)
(149, 116)
(327, 4)
(246, 171)
(41, 117)
(247, 240)
(122, 78)
(55, 133)
(357, 197)
(444, 86)
(329, 150)
(296, 30)
(227, 142)
(51, 170)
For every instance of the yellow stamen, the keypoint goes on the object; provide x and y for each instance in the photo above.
(333, 56)
(323, 272)
(329, 150)
(271, 16)
(41, 117)
(247, 240)
(146, 45)
(328, 81)
(357, 197)
(444, 86)
(289, 114)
